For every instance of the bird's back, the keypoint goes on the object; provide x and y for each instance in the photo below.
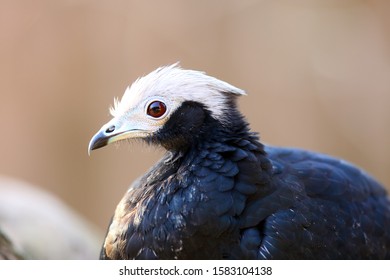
(326, 209)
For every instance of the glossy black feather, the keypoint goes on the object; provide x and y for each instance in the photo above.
(218, 193)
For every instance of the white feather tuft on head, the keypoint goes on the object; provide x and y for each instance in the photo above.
(176, 85)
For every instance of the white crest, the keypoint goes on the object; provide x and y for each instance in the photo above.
(176, 85)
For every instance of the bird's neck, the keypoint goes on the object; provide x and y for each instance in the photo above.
(226, 141)
(230, 131)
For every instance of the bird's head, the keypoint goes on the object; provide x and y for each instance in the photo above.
(169, 106)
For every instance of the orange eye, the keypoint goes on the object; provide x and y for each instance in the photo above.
(156, 109)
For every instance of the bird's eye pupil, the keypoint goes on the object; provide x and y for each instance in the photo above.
(156, 109)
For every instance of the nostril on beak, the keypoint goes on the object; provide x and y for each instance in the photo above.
(110, 129)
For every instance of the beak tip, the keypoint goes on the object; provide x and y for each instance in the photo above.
(90, 148)
(89, 151)
(98, 140)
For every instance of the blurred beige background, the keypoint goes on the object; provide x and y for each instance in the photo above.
(317, 74)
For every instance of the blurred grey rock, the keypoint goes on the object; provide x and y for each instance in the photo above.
(41, 226)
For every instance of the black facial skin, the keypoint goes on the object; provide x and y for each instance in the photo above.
(182, 128)
(189, 124)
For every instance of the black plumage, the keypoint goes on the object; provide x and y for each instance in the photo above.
(220, 194)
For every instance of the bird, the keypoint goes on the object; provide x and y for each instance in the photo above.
(220, 193)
